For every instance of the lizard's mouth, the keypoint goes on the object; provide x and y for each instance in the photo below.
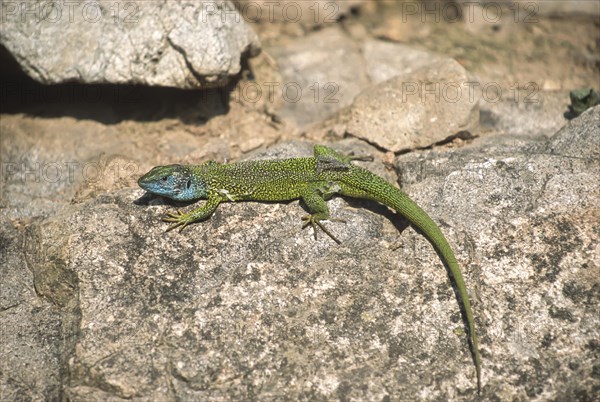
(155, 184)
(145, 183)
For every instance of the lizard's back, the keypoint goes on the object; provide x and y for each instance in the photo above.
(262, 180)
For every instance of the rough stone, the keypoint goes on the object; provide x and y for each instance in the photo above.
(528, 113)
(322, 73)
(528, 212)
(386, 60)
(248, 306)
(159, 43)
(416, 109)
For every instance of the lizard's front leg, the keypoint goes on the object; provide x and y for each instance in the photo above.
(317, 205)
(181, 219)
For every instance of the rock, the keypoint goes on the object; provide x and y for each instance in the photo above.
(322, 73)
(416, 109)
(325, 72)
(528, 213)
(386, 60)
(579, 139)
(529, 113)
(173, 44)
(248, 306)
(35, 335)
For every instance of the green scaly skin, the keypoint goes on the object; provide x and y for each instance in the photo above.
(314, 180)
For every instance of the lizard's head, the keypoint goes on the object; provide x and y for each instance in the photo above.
(176, 182)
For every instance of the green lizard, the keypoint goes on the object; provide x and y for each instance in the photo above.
(314, 180)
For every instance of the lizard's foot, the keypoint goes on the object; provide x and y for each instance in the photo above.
(315, 221)
(179, 218)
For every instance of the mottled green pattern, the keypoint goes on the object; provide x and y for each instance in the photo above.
(259, 180)
(313, 180)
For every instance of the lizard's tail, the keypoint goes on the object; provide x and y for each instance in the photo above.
(374, 187)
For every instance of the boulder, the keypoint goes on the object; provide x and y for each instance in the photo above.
(173, 44)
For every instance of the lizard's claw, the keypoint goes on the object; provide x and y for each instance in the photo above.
(315, 221)
(179, 219)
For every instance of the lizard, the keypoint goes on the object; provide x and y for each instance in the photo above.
(314, 180)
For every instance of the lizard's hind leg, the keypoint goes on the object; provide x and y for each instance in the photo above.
(317, 205)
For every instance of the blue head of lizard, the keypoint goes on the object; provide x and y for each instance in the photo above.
(176, 182)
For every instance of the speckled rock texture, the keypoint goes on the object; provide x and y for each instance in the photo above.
(248, 306)
(181, 44)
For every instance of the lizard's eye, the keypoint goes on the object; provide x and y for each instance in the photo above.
(165, 178)
(188, 184)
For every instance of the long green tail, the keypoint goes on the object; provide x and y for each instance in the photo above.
(374, 187)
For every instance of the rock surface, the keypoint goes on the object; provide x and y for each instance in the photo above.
(98, 303)
(416, 109)
(533, 249)
(325, 72)
(386, 60)
(159, 43)
(248, 306)
(525, 113)
(321, 73)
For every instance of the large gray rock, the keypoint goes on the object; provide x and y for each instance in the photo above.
(248, 306)
(185, 44)
(528, 214)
